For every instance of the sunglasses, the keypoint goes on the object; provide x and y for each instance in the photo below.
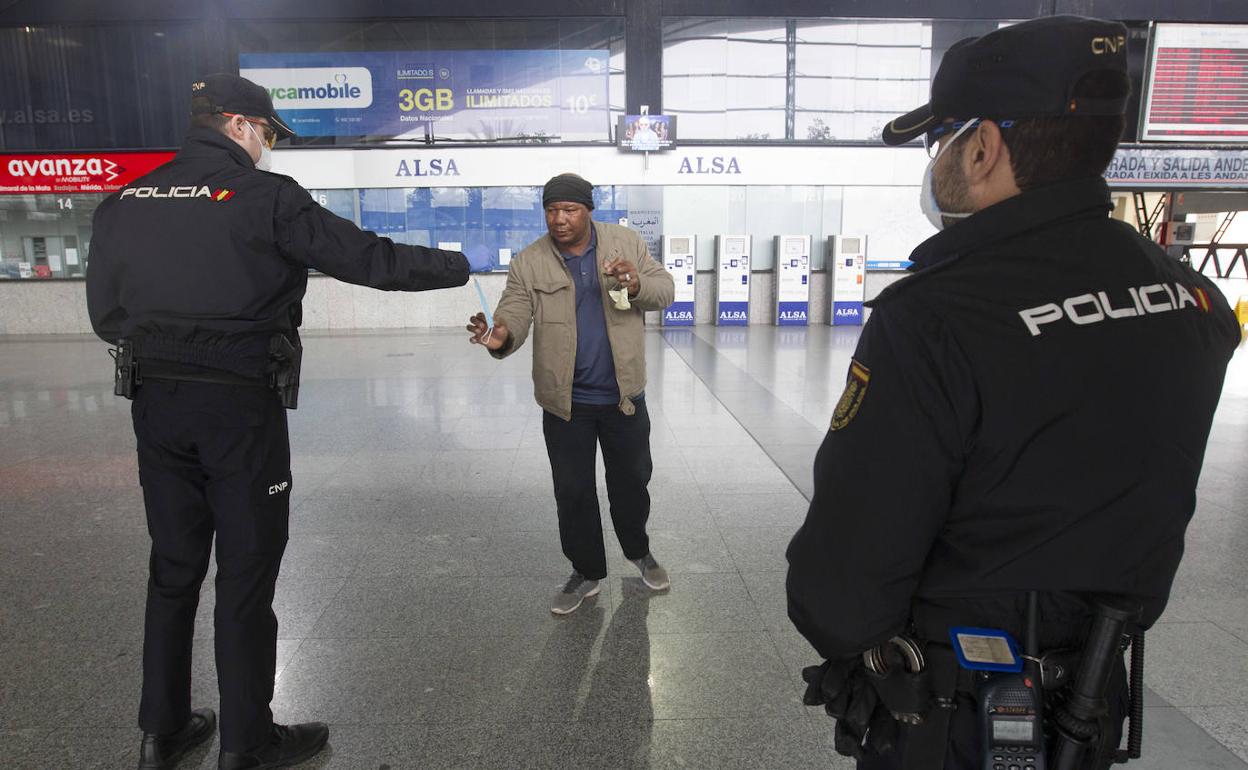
(931, 140)
(268, 135)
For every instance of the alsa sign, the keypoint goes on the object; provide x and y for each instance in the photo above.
(75, 172)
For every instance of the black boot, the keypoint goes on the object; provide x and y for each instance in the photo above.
(162, 752)
(288, 746)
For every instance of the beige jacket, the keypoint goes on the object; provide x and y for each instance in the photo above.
(540, 295)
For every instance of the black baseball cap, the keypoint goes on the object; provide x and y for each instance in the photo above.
(1026, 70)
(223, 92)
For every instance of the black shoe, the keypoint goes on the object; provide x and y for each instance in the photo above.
(162, 752)
(288, 746)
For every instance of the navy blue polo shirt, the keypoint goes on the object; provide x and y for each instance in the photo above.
(593, 381)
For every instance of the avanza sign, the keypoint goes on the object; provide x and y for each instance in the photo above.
(75, 172)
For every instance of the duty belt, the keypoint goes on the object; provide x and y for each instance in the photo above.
(162, 370)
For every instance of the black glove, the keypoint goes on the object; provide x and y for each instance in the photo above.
(842, 687)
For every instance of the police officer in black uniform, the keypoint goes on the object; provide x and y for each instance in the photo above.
(197, 273)
(1027, 412)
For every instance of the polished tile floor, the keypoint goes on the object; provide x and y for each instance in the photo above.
(423, 552)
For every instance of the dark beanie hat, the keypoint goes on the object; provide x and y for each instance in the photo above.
(568, 188)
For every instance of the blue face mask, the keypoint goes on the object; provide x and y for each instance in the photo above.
(927, 195)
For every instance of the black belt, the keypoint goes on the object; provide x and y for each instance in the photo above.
(162, 370)
(926, 742)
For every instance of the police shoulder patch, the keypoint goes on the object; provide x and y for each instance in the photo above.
(852, 398)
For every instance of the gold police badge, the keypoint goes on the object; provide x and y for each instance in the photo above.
(851, 399)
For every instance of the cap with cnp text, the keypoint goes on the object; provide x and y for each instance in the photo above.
(1026, 70)
(239, 96)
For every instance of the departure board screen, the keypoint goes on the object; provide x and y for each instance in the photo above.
(1197, 84)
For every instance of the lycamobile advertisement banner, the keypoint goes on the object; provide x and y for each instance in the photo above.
(536, 96)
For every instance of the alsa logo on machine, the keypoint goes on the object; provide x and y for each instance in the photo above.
(177, 192)
(847, 312)
(793, 315)
(679, 315)
(65, 167)
(733, 315)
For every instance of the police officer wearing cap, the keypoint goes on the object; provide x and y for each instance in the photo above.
(1044, 383)
(197, 274)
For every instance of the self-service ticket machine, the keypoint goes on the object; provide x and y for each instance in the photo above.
(847, 269)
(792, 280)
(679, 253)
(732, 290)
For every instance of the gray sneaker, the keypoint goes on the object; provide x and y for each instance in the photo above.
(576, 590)
(652, 574)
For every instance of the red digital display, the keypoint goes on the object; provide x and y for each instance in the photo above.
(1198, 84)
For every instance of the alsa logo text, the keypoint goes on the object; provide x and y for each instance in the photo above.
(847, 312)
(733, 315)
(65, 167)
(429, 167)
(679, 315)
(715, 164)
(793, 315)
(177, 192)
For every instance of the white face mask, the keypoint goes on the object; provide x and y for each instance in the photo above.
(927, 195)
(266, 155)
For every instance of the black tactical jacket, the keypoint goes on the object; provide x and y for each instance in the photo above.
(201, 261)
(1029, 410)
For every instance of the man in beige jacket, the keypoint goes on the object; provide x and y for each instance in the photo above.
(583, 289)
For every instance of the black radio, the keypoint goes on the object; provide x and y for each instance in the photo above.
(1011, 717)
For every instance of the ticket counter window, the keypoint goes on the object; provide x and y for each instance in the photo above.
(45, 236)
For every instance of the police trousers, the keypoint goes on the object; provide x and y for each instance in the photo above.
(214, 463)
(573, 450)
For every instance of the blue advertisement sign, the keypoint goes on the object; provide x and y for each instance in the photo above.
(792, 313)
(733, 314)
(847, 314)
(888, 264)
(678, 314)
(536, 96)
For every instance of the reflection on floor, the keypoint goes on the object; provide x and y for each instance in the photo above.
(413, 599)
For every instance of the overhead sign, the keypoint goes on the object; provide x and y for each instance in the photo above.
(326, 168)
(96, 172)
(1165, 167)
(509, 95)
(1197, 84)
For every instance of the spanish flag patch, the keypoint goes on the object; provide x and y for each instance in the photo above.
(852, 398)
(1202, 298)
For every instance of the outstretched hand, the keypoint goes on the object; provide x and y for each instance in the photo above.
(492, 337)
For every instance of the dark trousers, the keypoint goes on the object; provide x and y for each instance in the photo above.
(572, 447)
(212, 459)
